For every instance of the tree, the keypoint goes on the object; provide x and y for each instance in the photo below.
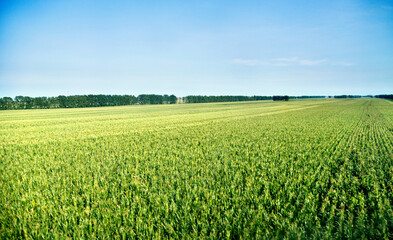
(62, 101)
(20, 102)
(280, 98)
(8, 102)
(172, 99)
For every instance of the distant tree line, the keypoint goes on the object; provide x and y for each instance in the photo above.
(305, 97)
(100, 100)
(347, 96)
(385, 96)
(209, 99)
(80, 101)
(156, 99)
(281, 98)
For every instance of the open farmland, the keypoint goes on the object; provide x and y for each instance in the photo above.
(308, 168)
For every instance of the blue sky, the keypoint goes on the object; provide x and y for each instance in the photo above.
(50, 48)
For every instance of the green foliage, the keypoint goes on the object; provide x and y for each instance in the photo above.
(82, 101)
(280, 98)
(385, 96)
(301, 169)
(207, 99)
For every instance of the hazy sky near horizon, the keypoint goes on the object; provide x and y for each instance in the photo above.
(50, 48)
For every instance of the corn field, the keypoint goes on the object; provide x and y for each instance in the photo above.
(251, 170)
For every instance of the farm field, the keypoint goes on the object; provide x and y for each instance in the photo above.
(304, 168)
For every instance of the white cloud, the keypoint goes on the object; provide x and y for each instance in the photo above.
(284, 61)
(311, 62)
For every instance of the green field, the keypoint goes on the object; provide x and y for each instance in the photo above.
(307, 168)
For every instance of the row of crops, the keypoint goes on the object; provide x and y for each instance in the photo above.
(307, 168)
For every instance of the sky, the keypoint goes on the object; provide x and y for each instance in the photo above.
(73, 47)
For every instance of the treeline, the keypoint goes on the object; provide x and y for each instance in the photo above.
(280, 98)
(347, 96)
(80, 101)
(385, 96)
(209, 99)
(305, 97)
(156, 99)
